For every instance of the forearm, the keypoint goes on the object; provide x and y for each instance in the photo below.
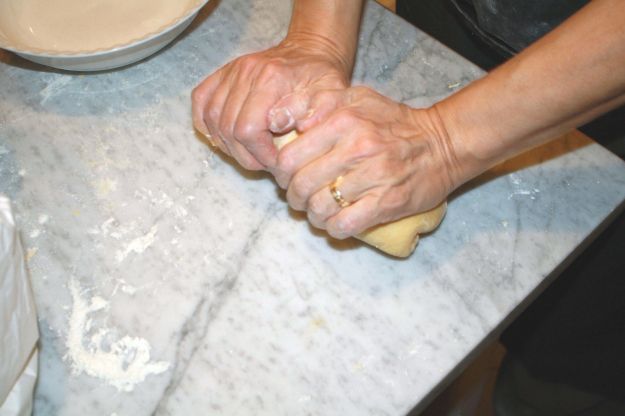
(332, 24)
(567, 78)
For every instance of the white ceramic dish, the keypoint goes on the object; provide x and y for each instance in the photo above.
(92, 35)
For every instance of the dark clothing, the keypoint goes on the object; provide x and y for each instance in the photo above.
(511, 25)
(498, 29)
(441, 20)
(574, 333)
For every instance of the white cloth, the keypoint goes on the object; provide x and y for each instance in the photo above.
(18, 322)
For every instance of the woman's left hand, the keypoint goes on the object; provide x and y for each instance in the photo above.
(387, 160)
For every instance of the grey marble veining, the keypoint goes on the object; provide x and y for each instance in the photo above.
(252, 310)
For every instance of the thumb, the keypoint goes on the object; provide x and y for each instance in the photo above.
(287, 111)
(321, 106)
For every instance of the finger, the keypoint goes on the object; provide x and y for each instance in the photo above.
(320, 155)
(217, 141)
(316, 176)
(321, 106)
(200, 97)
(238, 91)
(240, 87)
(306, 148)
(328, 201)
(227, 144)
(252, 128)
(245, 158)
(322, 206)
(234, 149)
(305, 109)
(290, 108)
(354, 219)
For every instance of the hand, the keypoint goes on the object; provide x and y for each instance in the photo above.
(240, 106)
(393, 161)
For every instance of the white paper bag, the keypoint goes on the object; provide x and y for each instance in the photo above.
(18, 322)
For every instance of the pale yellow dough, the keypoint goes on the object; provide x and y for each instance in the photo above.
(397, 238)
(85, 25)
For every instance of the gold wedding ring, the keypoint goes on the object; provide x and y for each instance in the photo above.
(336, 193)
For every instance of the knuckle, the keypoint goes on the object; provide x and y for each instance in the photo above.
(341, 228)
(345, 119)
(395, 200)
(293, 201)
(270, 70)
(246, 129)
(285, 163)
(315, 220)
(248, 63)
(325, 97)
(300, 186)
(316, 206)
(366, 146)
(213, 114)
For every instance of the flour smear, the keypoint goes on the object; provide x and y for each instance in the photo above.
(122, 364)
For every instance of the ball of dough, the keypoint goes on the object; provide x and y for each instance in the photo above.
(398, 238)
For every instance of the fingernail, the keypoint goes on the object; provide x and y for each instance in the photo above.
(281, 120)
(207, 136)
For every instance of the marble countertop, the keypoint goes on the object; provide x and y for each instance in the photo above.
(170, 282)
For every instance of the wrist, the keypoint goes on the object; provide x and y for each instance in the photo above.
(475, 142)
(322, 46)
(449, 146)
(329, 27)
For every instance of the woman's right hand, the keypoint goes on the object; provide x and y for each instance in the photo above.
(243, 104)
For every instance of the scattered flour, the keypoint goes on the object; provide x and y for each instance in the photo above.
(180, 211)
(112, 228)
(103, 187)
(35, 233)
(128, 289)
(157, 199)
(124, 287)
(519, 189)
(106, 225)
(43, 218)
(138, 245)
(123, 364)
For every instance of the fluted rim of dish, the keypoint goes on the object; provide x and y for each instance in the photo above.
(199, 4)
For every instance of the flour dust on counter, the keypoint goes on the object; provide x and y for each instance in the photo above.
(121, 363)
(138, 245)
